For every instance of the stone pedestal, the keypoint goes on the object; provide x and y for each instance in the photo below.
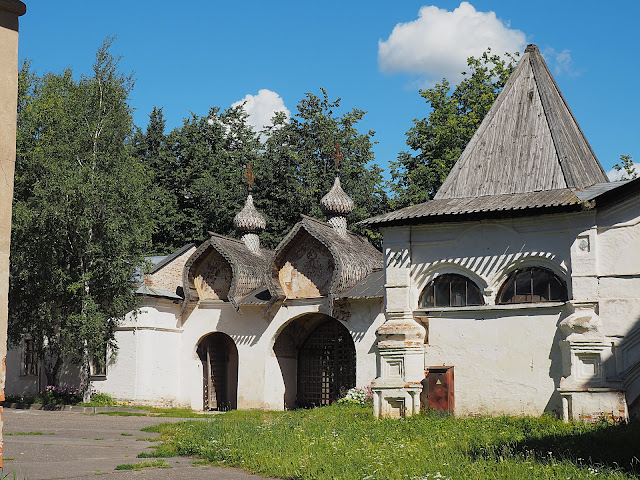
(396, 390)
(10, 10)
(589, 391)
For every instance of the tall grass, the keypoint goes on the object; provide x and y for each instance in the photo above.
(346, 442)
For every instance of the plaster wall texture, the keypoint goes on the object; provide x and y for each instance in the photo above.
(506, 358)
(618, 267)
(18, 384)
(505, 362)
(145, 367)
(260, 373)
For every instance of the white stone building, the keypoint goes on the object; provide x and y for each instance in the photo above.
(520, 280)
(516, 290)
(232, 325)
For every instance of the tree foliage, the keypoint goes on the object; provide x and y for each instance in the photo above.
(437, 141)
(81, 215)
(198, 169)
(626, 164)
(298, 166)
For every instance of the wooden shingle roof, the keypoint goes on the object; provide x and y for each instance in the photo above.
(354, 257)
(248, 268)
(529, 141)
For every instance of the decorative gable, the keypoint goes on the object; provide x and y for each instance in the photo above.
(306, 268)
(224, 269)
(316, 260)
(213, 277)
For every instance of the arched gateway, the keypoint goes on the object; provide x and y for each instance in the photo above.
(219, 357)
(318, 360)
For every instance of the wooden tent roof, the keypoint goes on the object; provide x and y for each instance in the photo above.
(529, 141)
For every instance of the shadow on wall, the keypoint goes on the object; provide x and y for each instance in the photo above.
(594, 373)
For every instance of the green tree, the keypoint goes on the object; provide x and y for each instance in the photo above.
(81, 218)
(437, 141)
(197, 170)
(297, 165)
(151, 149)
(626, 164)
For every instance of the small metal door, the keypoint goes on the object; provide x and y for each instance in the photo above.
(437, 390)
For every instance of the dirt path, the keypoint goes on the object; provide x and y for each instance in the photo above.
(61, 445)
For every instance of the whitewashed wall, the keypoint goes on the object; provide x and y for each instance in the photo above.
(506, 358)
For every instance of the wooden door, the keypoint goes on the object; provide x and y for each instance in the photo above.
(215, 360)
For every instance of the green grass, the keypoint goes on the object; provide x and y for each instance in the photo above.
(139, 466)
(123, 414)
(346, 442)
(175, 412)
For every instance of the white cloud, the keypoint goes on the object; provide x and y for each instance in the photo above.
(262, 107)
(615, 175)
(560, 62)
(439, 42)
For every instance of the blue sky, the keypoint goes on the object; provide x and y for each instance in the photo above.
(190, 56)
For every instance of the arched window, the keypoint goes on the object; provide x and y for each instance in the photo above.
(451, 290)
(532, 285)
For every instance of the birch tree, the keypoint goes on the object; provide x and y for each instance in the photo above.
(81, 219)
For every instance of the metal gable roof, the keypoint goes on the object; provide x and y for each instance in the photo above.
(447, 209)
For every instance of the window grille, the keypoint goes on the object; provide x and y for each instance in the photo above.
(29, 358)
(532, 285)
(326, 365)
(451, 290)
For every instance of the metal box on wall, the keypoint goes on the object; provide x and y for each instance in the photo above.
(437, 390)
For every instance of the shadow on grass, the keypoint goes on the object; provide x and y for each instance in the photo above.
(613, 446)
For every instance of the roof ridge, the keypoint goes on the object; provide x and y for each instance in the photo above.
(171, 257)
(328, 225)
(217, 235)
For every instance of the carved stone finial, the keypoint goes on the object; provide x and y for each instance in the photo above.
(249, 223)
(337, 205)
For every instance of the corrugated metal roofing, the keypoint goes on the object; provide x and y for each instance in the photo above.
(156, 292)
(446, 207)
(371, 286)
(528, 141)
(590, 193)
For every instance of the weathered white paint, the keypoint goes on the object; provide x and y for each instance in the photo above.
(509, 358)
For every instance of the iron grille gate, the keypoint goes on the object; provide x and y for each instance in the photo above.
(326, 365)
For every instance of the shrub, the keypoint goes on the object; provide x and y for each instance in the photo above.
(102, 399)
(62, 395)
(359, 396)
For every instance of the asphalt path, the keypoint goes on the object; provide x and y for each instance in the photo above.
(59, 445)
